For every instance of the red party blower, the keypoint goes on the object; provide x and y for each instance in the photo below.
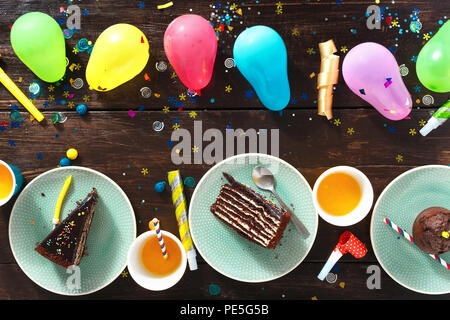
(347, 243)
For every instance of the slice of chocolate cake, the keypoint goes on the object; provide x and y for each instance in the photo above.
(65, 244)
(249, 213)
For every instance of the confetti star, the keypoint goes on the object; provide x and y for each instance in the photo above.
(12, 143)
(66, 94)
(414, 58)
(399, 158)
(182, 97)
(124, 274)
(412, 131)
(51, 88)
(194, 149)
(176, 126)
(39, 156)
(173, 76)
(422, 122)
(426, 36)
(344, 49)
(71, 104)
(51, 98)
(295, 32)
(192, 114)
(77, 66)
(337, 122)
(233, 6)
(417, 88)
(141, 4)
(350, 131)
(279, 5)
(279, 10)
(394, 23)
(144, 171)
(310, 51)
(85, 12)
(166, 109)
(86, 98)
(75, 50)
(228, 88)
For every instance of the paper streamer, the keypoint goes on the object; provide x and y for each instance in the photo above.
(328, 76)
(347, 243)
(180, 204)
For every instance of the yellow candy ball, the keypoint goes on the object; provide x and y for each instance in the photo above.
(72, 154)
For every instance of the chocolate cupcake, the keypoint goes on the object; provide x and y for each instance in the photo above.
(430, 230)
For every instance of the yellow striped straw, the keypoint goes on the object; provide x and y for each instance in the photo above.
(180, 204)
(60, 200)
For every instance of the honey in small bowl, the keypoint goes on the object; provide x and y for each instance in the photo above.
(153, 259)
(339, 194)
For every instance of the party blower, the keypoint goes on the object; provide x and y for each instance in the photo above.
(260, 55)
(348, 242)
(371, 72)
(120, 53)
(190, 44)
(433, 61)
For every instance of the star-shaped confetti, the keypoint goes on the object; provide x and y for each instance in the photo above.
(71, 104)
(295, 32)
(12, 143)
(51, 98)
(86, 98)
(166, 109)
(228, 88)
(337, 122)
(124, 274)
(310, 51)
(192, 114)
(182, 97)
(426, 36)
(412, 131)
(344, 49)
(350, 131)
(144, 171)
(422, 122)
(51, 88)
(176, 126)
(194, 149)
(399, 158)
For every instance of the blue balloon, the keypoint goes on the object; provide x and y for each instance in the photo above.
(260, 55)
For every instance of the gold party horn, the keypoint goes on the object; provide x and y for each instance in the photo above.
(328, 76)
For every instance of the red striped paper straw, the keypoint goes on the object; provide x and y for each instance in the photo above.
(407, 236)
(154, 225)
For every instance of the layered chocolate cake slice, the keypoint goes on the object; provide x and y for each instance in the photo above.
(249, 213)
(65, 244)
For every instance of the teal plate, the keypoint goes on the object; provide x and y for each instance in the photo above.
(234, 256)
(401, 201)
(112, 231)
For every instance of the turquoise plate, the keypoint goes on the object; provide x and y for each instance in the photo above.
(401, 201)
(112, 231)
(234, 256)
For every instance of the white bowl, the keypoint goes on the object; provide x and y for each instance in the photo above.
(144, 278)
(363, 207)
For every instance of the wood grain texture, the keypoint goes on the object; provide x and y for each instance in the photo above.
(120, 146)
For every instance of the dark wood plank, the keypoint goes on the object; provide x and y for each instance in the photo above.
(314, 21)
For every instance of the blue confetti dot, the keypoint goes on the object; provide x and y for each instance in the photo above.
(214, 289)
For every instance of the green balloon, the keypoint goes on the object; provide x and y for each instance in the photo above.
(38, 41)
(433, 62)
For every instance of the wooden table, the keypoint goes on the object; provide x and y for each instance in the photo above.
(111, 141)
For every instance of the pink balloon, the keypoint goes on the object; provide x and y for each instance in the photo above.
(190, 44)
(371, 72)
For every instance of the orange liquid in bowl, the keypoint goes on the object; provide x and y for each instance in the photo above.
(6, 182)
(154, 261)
(339, 194)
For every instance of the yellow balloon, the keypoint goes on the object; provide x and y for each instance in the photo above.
(120, 53)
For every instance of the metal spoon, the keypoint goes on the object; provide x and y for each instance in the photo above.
(265, 180)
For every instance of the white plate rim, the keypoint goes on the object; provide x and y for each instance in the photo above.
(61, 169)
(372, 221)
(312, 233)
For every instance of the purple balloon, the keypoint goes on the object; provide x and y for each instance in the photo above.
(371, 72)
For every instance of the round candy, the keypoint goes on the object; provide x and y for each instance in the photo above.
(64, 162)
(72, 154)
(160, 186)
(81, 109)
